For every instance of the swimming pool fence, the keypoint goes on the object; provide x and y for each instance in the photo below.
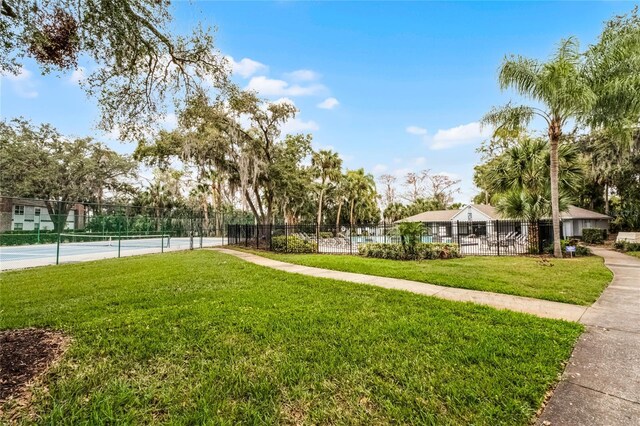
(491, 238)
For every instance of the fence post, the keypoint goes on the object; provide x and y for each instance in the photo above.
(350, 237)
(58, 249)
(119, 233)
(246, 235)
(458, 232)
(162, 233)
(317, 238)
(498, 236)
(286, 239)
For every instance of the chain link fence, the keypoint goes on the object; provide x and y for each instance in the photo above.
(37, 232)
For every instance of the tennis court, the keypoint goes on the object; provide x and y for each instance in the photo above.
(75, 248)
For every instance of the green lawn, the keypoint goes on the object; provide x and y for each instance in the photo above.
(197, 337)
(634, 253)
(579, 281)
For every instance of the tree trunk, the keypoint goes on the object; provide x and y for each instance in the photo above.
(554, 136)
(338, 216)
(351, 207)
(58, 214)
(320, 207)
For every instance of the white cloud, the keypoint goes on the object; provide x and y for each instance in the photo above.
(272, 87)
(380, 168)
(329, 103)
(245, 67)
(284, 100)
(296, 125)
(415, 130)
(78, 75)
(302, 75)
(169, 121)
(466, 133)
(418, 161)
(22, 83)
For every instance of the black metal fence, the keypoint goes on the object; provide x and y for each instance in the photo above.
(490, 238)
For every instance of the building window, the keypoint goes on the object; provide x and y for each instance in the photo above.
(36, 226)
(37, 211)
(17, 227)
(18, 210)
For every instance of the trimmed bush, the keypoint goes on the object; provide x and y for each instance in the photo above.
(18, 238)
(594, 235)
(420, 251)
(626, 246)
(292, 244)
(326, 234)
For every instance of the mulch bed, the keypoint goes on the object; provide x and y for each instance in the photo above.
(24, 355)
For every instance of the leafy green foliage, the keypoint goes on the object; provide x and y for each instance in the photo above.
(419, 251)
(627, 246)
(18, 238)
(292, 244)
(594, 235)
(580, 249)
(410, 233)
(58, 168)
(139, 64)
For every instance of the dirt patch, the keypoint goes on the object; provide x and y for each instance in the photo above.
(24, 355)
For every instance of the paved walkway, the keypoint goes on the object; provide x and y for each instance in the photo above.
(541, 308)
(601, 384)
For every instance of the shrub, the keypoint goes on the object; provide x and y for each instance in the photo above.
(292, 244)
(421, 251)
(594, 235)
(626, 246)
(410, 233)
(326, 234)
(580, 250)
(18, 238)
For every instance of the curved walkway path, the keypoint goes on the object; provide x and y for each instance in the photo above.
(601, 384)
(528, 305)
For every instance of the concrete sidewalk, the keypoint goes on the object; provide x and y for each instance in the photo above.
(601, 384)
(541, 308)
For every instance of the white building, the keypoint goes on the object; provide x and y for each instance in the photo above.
(481, 219)
(20, 214)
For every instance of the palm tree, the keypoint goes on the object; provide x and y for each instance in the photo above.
(360, 186)
(520, 178)
(326, 166)
(563, 89)
(394, 211)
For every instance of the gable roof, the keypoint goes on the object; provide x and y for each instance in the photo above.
(491, 212)
(431, 216)
(579, 213)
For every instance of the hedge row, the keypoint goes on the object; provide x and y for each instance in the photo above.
(292, 244)
(420, 251)
(594, 235)
(18, 239)
(627, 246)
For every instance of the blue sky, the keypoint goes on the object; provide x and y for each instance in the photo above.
(391, 86)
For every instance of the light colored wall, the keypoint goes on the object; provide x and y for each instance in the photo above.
(29, 219)
(476, 215)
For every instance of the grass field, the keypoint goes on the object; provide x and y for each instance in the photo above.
(579, 281)
(634, 254)
(197, 337)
